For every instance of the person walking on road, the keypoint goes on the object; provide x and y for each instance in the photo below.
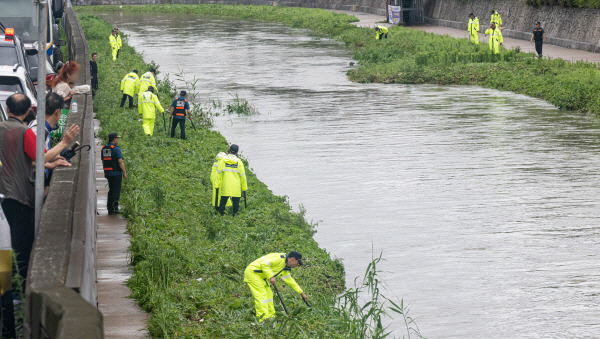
(179, 108)
(216, 197)
(381, 32)
(496, 19)
(147, 105)
(495, 38)
(129, 86)
(146, 80)
(114, 172)
(539, 36)
(231, 179)
(473, 29)
(114, 45)
(263, 271)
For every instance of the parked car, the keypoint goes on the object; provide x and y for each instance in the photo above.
(12, 50)
(31, 49)
(19, 14)
(15, 79)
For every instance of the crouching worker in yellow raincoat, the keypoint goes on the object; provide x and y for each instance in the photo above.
(147, 105)
(216, 199)
(129, 86)
(263, 271)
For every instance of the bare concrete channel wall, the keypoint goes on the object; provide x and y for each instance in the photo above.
(575, 28)
(61, 287)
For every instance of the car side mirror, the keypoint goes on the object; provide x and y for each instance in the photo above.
(33, 74)
(55, 32)
(61, 43)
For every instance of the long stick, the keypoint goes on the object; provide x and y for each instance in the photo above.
(245, 203)
(306, 302)
(193, 125)
(170, 118)
(164, 121)
(281, 299)
(216, 198)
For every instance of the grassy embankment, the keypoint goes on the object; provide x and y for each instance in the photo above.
(188, 264)
(414, 57)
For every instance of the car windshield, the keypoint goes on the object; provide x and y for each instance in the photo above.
(8, 55)
(10, 84)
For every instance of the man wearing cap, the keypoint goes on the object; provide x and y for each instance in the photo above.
(495, 38)
(539, 36)
(119, 42)
(473, 29)
(114, 45)
(264, 270)
(148, 103)
(179, 108)
(381, 32)
(114, 172)
(231, 179)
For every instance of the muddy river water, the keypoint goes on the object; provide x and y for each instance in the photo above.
(484, 203)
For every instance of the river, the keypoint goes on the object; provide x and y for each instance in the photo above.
(484, 203)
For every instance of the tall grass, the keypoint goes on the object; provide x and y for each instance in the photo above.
(411, 56)
(188, 263)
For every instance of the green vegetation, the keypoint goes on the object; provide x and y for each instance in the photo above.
(414, 57)
(187, 262)
(564, 3)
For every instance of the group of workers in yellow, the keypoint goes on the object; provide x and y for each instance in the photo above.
(115, 43)
(494, 31)
(228, 178)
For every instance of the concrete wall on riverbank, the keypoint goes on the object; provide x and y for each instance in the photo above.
(577, 28)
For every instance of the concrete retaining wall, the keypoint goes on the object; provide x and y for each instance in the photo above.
(576, 28)
(61, 285)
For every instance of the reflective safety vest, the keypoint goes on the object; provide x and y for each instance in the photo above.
(147, 105)
(109, 162)
(179, 110)
(130, 84)
(473, 26)
(113, 42)
(231, 176)
(119, 42)
(146, 81)
(274, 265)
(496, 19)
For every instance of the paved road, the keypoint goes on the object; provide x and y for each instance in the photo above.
(371, 20)
(123, 319)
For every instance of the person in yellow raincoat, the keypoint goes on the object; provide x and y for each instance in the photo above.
(231, 179)
(496, 19)
(129, 86)
(146, 80)
(473, 29)
(495, 38)
(114, 45)
(213, 179)
(381, 32)
(263, 271)
(147, 105)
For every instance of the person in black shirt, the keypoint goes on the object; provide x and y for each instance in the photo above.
(94, 73)
(539, 37)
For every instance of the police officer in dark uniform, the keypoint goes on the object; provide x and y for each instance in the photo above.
(539, 36)
(179, 108)
(114, 172)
